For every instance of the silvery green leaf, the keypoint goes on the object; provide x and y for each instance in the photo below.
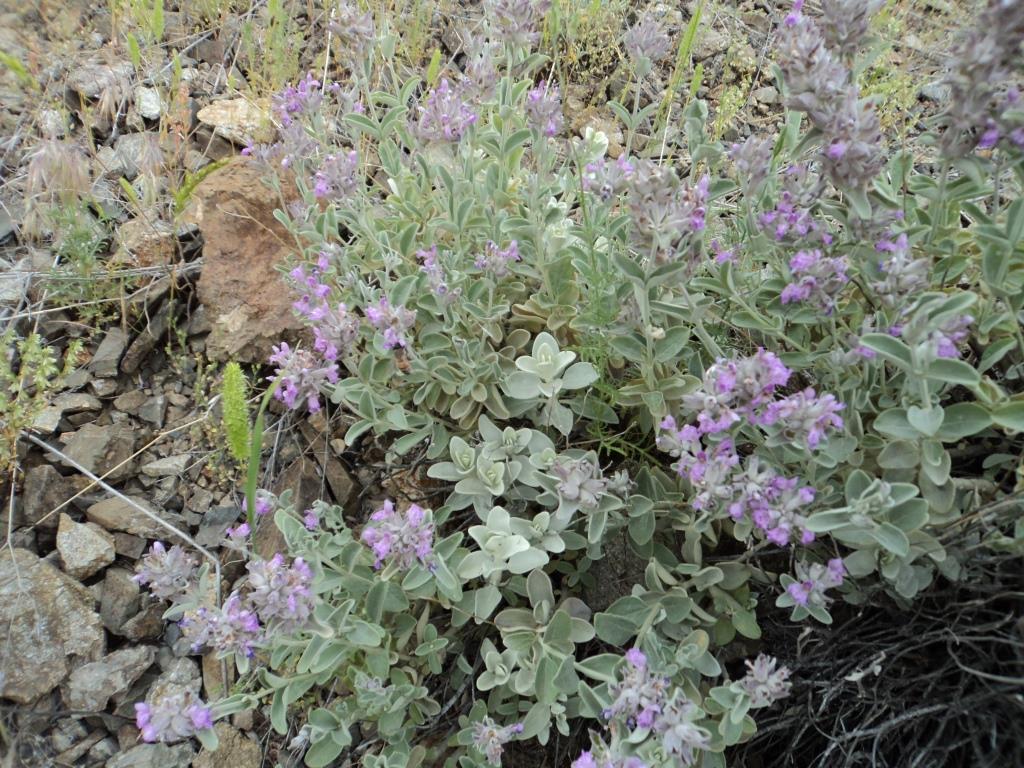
(892, 538)
(579, 375)
(522, 385)
(925, 420)
(963, 420)
(527, 560)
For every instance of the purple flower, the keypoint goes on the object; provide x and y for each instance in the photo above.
(335, 329)
(608, 178)
(753, 161)
(804, 416)
(515, 21)
(544, 109)
(238, 532)
(949, 334)
(813, 580)
(490, 739)
(355, 31)
(436, 276)
(902, 274)
(172, 718)
(281, 594)
(311, 520)
(169, 573)
(765, 684)
(646, 42)
(638, 697)
(296, 100)
(403, 538)
(817, 280)
(636, 657)
(232, 628)
(795, 15)
(338, 176)
(264, 503)
(445, 115)
(496, 260)
(585, 760)
(393, 322)
(735, 388)
(774, 503)
(301, 375)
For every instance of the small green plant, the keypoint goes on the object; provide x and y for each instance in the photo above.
(30, 373)
(235, 409)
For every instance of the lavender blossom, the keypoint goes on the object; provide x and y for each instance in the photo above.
(639, 695)
(680, 735)
(666, 213)
(233, 628)
(436, 276)
(301, 374)
(845, 23)
(853, 136)
(335, 329)
(902, 275)
(773, 503)
(734, 388)
(355, 32)
(403, 538)
(445, 115)
(175, 717)
(480, 71)
(793, 220)
(815, 80)
(490, 739)
(281, 595)
(169, 573)
(393, 322)
(804, 417)
(337, 177)
(265, 502)
(579, 482)
(607, 178)
(817, 280)
(496, 260)
(298, 100)
(950, 333)
(311, 520)
(544, 109)
(813, 580)
(647, 43)
(752, 161)
(765, 684)
(515, 22)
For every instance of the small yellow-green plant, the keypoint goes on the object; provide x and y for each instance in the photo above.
(30, 371)
(235, 410)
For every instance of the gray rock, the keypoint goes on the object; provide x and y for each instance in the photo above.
(215, 523)
(154, 756)
(148, 102)
(102, 750)
(167, 467)
(69, 402)
(154, 411)
(128, 545)
(48, 623)
(130, 401)
(120, 600)
(766, 95)
(146, 242)
(92, 79)
(90, 687)
(181, 676)
(108, 355)
(110, 164)
(136, 151)
(711, 41)
(233, 751)
(147, 624)
(118, 515)
(45, 489)
(103, 450)
(84, 548)
(69, 731)
(103, 387)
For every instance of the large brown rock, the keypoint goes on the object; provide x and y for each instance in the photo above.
(48, 625)
(249, 304)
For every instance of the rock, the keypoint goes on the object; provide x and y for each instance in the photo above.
(138, 152)
(91, 79)
(120, 600)
(110, 164)
(250, 309)
(108, 355)
(68, 732)
(145, 242)
(45, 489)
(170, 466)
(69, 402)
(147, 340)
(47, 623)
(711, 41)
(342, 486)
(233, 751)
(766, 95)
(90, 687)
(213, 676)
(148, 102)
(131, 401)
(118, 515)
(102, 450)
(154, 756)
(84, 548)
(154, 410)
(127, 545)
(215, 524)
(103, 387)
(71, 755)
(103, 750)
(181, 676)
(239, 120)
(148, 624)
